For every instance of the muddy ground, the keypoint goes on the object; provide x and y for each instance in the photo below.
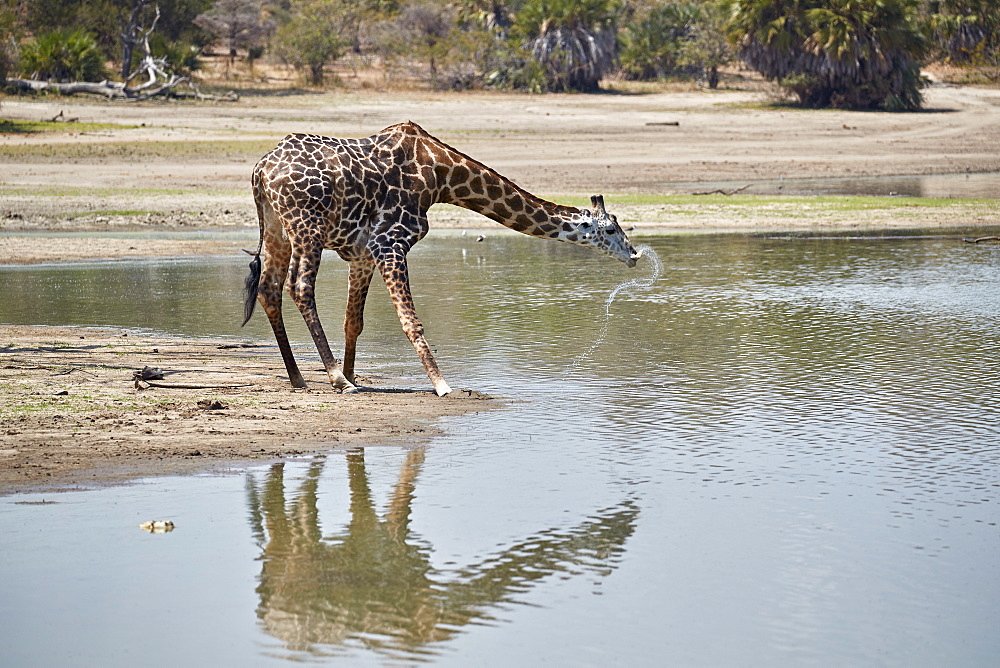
(74, 415)
(70, 414)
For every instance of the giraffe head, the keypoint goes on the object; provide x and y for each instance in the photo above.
(600, 231)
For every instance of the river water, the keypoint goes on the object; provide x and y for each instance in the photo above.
(786, 451)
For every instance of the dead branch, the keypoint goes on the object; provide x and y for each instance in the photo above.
(181, 386)
(719, 191)
(72, 369)
(144, 380)
(976, 241)
(159, 80)
(62, 118)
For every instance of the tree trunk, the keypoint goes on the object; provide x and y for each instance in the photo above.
(316, 73)
(130, 37)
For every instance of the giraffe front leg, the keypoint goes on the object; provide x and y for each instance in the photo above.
(397, 281)
(358, 280)
(302, 287)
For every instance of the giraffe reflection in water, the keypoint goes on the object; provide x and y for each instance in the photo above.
(373, 585)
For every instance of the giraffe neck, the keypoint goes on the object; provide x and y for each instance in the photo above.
(467, 183)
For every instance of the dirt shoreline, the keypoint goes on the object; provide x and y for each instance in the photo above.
(73, 417)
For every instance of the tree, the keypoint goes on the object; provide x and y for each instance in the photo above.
(426, 27)
(130, 34)
(573, 40)
(239, 22)
(496, 16)
(313, 37)
(706, 48)
(652, 41)
(966, 32)
(853, 54)
(10, 31)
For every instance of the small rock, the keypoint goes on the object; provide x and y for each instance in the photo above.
(148, 373)
(469, 394)
(212, 405)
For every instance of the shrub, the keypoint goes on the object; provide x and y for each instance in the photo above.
(63, 55)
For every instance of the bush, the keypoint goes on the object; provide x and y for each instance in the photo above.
(651, 43)
(63, 55)
(8, 42)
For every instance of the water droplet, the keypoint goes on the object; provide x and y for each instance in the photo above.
(630, 284)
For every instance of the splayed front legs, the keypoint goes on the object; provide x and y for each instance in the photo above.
(359, 279)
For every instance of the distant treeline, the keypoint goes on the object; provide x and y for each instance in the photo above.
(846, 53)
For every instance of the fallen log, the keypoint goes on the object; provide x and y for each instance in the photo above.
(114, 90)
(109, 89)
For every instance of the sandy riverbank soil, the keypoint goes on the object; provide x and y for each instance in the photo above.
(72, 415)
(186, 166)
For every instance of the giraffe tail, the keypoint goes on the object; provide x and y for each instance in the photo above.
(253, 280)
(250, 289)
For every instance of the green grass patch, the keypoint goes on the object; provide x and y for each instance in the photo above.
(235, 150)
(76, 191)
(826, 202)
(105, 212)
(8, 126)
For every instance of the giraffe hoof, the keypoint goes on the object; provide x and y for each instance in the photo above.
(349, 389)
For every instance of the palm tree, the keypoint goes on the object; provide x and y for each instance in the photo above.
(573, 40)
(854, 54)
(967, 32)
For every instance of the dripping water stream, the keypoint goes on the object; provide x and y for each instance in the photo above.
(631, 284)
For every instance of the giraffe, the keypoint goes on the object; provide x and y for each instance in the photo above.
(367, 199)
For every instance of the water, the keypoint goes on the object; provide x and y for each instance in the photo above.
(785, 451)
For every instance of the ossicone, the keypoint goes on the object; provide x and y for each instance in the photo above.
(598, 202)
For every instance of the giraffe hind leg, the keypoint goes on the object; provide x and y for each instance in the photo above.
(269, 288)
(302, 287)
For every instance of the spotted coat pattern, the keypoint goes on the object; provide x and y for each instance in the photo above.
(367, 200)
